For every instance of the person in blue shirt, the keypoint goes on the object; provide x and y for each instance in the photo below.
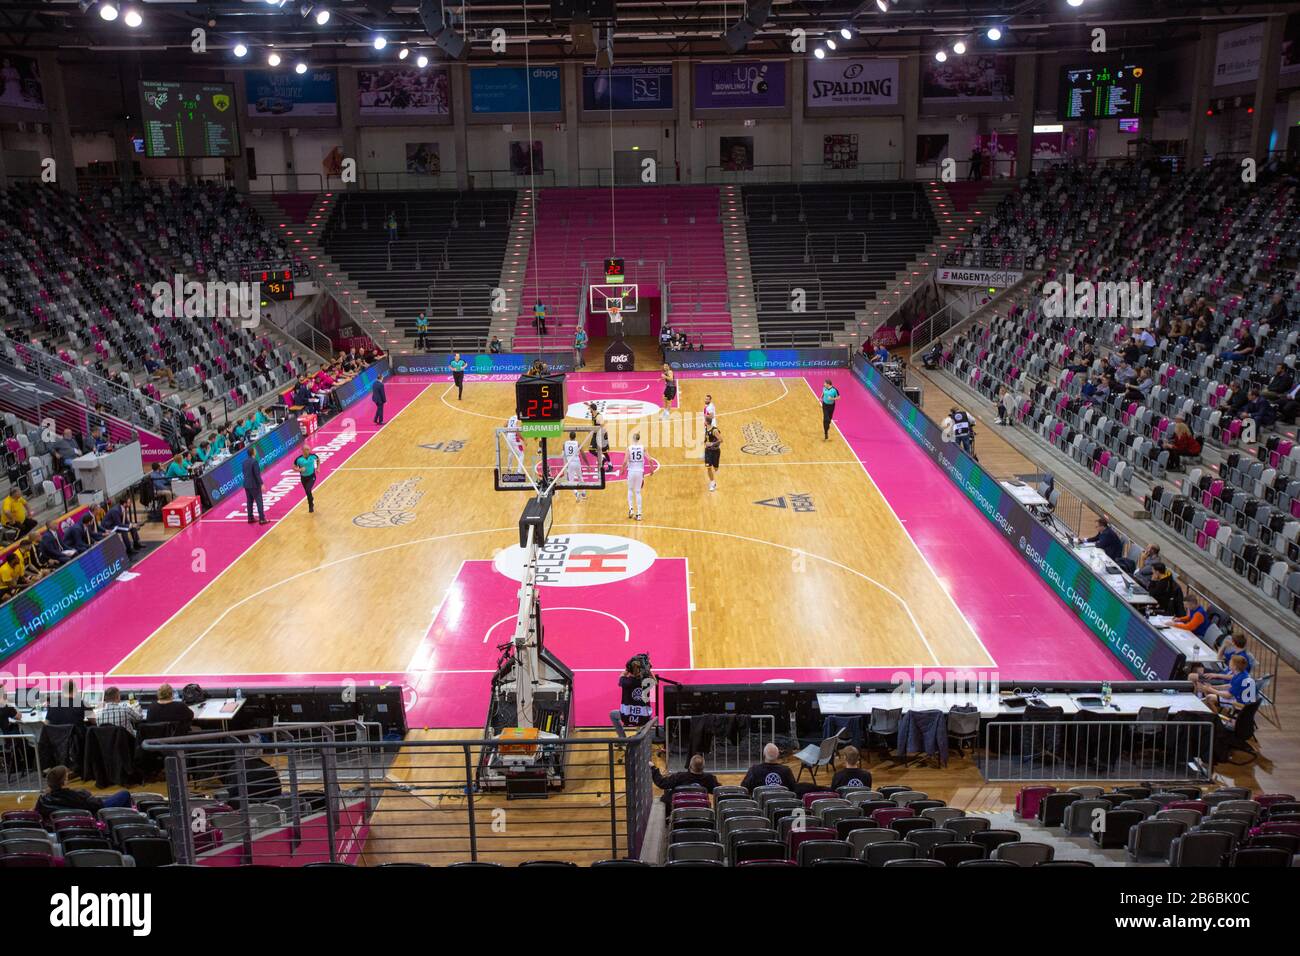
(82, 535)
(830, 395)
(580, 348)
(1240, 691)
(1110, 544)
(421, 330)
(458, 366)
(380, 397)
(306, 464)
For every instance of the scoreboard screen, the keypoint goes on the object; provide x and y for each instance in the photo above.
(183, 119)
(540, 398)
(1103, 92)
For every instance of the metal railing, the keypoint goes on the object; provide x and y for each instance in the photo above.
(290, 794)
(736, 741)
(287, 183)
(777, 295)
(855, 243)
(776, 173)
(989, 258)
(665, 175)
(509, 179)
(1158, 750)
(1268, 659)
(20, 764)
(404, 180)
(995, 169)
(859, 172)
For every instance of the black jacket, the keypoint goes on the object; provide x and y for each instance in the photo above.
(66, 798)
(768, 775)
(683, 779)
(377, 393)
(252, 474)
(173, 712)
(851, 776)
(110, 757)
(48, 548)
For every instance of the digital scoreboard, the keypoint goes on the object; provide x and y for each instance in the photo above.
(183, 119)
(614, 271)
(1103, 92)
(539, 399)
(277, 284)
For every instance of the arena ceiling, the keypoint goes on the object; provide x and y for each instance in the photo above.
(641, 28)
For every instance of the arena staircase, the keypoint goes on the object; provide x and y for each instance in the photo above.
(665, 234)
(740, 272)
(519, 248)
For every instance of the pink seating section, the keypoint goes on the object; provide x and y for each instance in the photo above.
(579, 225)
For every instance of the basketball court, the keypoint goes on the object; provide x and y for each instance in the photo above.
(850, 558)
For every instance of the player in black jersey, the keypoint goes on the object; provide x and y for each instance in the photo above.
(712, 452)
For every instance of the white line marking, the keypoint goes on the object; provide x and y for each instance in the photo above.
(627, 631)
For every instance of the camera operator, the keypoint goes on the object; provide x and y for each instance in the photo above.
(636, 683)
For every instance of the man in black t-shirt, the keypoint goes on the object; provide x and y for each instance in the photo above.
(770, 773)
(169, 710)
(852, 775)
(694, 774)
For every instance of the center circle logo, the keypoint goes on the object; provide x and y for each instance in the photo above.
(580, 560)
(615, 409)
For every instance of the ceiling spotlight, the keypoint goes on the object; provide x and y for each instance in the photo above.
(819, 53)
(1075, 3)
(846, 33)
(322, 17)
(959, 47)
(273, 59)
(884, 7)
(132, 18)
(240, 50)
(941, 56)
(403, 53)
(108, 11)
(830, 43)
(422, 61)
(301, 68)
(994, 34)
(380, 43)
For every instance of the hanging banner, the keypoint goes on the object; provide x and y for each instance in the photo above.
(969, 79)
(514, 89)
(20, 83)
(987, 278)
(647, 87)
(404, 92)
(852, 82)
(1237, 55)
(314, 93)
(725, 86)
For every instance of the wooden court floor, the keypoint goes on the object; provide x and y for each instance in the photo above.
(844, 586)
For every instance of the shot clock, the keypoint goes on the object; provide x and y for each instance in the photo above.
(540, 405)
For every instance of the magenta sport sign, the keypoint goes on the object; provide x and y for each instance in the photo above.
(743, 85)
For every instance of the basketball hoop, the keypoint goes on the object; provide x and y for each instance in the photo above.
(614, 307)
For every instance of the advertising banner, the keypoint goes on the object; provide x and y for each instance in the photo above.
(758, 360)
(503, 89)
(228, 477)
(852, 82)
(404, 91)
(627, 87)
(58, 596)
(271, 93)
(990, 278)
(726, 86)
(969, 79)
(1141, 649)
(1237, 55)
(512, 364)
(20, 83)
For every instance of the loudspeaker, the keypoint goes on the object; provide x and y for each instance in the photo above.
(434, 17)
(604, 47)
(758, 12)
(738, 36)
(451, 43)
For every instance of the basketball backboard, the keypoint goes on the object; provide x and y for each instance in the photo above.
(519, 465)
(623, 296)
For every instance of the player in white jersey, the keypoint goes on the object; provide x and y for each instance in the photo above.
(634, 469)
(573, 464)
(709, 410)
(515, 443)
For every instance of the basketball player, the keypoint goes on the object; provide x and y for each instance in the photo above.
(515, 442)
(830, 395)
(600, 443)
(573, 465)
(712, 452)
(634, 470)
(458, 366)
(709, 410)
(670, 389)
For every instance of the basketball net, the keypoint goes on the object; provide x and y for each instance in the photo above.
(614, 308)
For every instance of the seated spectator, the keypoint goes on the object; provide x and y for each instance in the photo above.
(495, 346)
(82, 535)
(1145, 340)
(694, 774)
(1235, 646)
(1240, 690)
(65, 449)
(58, 796)
(50, 548)
(1163, 587)
(98, 441)
(114, 712)
(169, 710)
(851, 774)
(1110, 543)
(1197, 620)
(770, 773)
(1260, 409)
(1280, 384)
(178, 467)
(67, 707)
(116, 521)
(1290, 409)
(13, 574)
(1183, 444)
(930, 359)
(13, 514)
(1242, 349)
(1149, 556)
